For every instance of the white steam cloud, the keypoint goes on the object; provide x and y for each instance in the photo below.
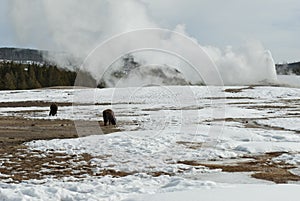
(249, 64)
(77, 27)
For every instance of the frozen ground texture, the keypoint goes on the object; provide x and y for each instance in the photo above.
(161, 126)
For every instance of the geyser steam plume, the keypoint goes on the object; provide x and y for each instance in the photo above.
(77, 27)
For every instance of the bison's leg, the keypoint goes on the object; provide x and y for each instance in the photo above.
(112, 120)
(52, 113)
(105, 119)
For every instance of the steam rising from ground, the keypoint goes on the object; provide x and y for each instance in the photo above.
(78, 27)
(249, 64)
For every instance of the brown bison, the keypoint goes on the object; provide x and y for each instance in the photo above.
(53, 109)
(109, 116)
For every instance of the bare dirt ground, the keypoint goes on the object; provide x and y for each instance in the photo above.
(260, 167)
(17, 163)
(16, 130)
(20, 164)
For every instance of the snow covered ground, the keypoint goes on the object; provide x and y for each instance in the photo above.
(162, 126)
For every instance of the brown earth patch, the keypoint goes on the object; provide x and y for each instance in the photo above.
(47, 104)
(230, 98)
(20, 164)
(16, 130)
(237, 90)
(262, 166)
(252, 123)
(191, 145)
(32, 104)
(266, 106)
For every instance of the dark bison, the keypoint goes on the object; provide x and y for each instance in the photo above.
(53, 109)
(109, 116)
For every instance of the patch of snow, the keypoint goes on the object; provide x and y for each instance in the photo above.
(286, 123)
(167, 125)
(233, 193)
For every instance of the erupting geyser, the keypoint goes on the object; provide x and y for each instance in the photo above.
(98, 20)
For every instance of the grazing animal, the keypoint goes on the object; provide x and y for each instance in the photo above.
(109, 116)
(53, 109)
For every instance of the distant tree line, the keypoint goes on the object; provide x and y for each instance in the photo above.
(31, 76)
(288, 68)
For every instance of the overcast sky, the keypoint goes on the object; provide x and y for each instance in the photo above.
(219, 23)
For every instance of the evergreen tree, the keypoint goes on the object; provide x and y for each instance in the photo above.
(32, 81)
(9, 81)
(21, 78)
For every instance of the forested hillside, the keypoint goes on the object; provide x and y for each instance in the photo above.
(31, 76)
(288, 68)
(22, 55)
